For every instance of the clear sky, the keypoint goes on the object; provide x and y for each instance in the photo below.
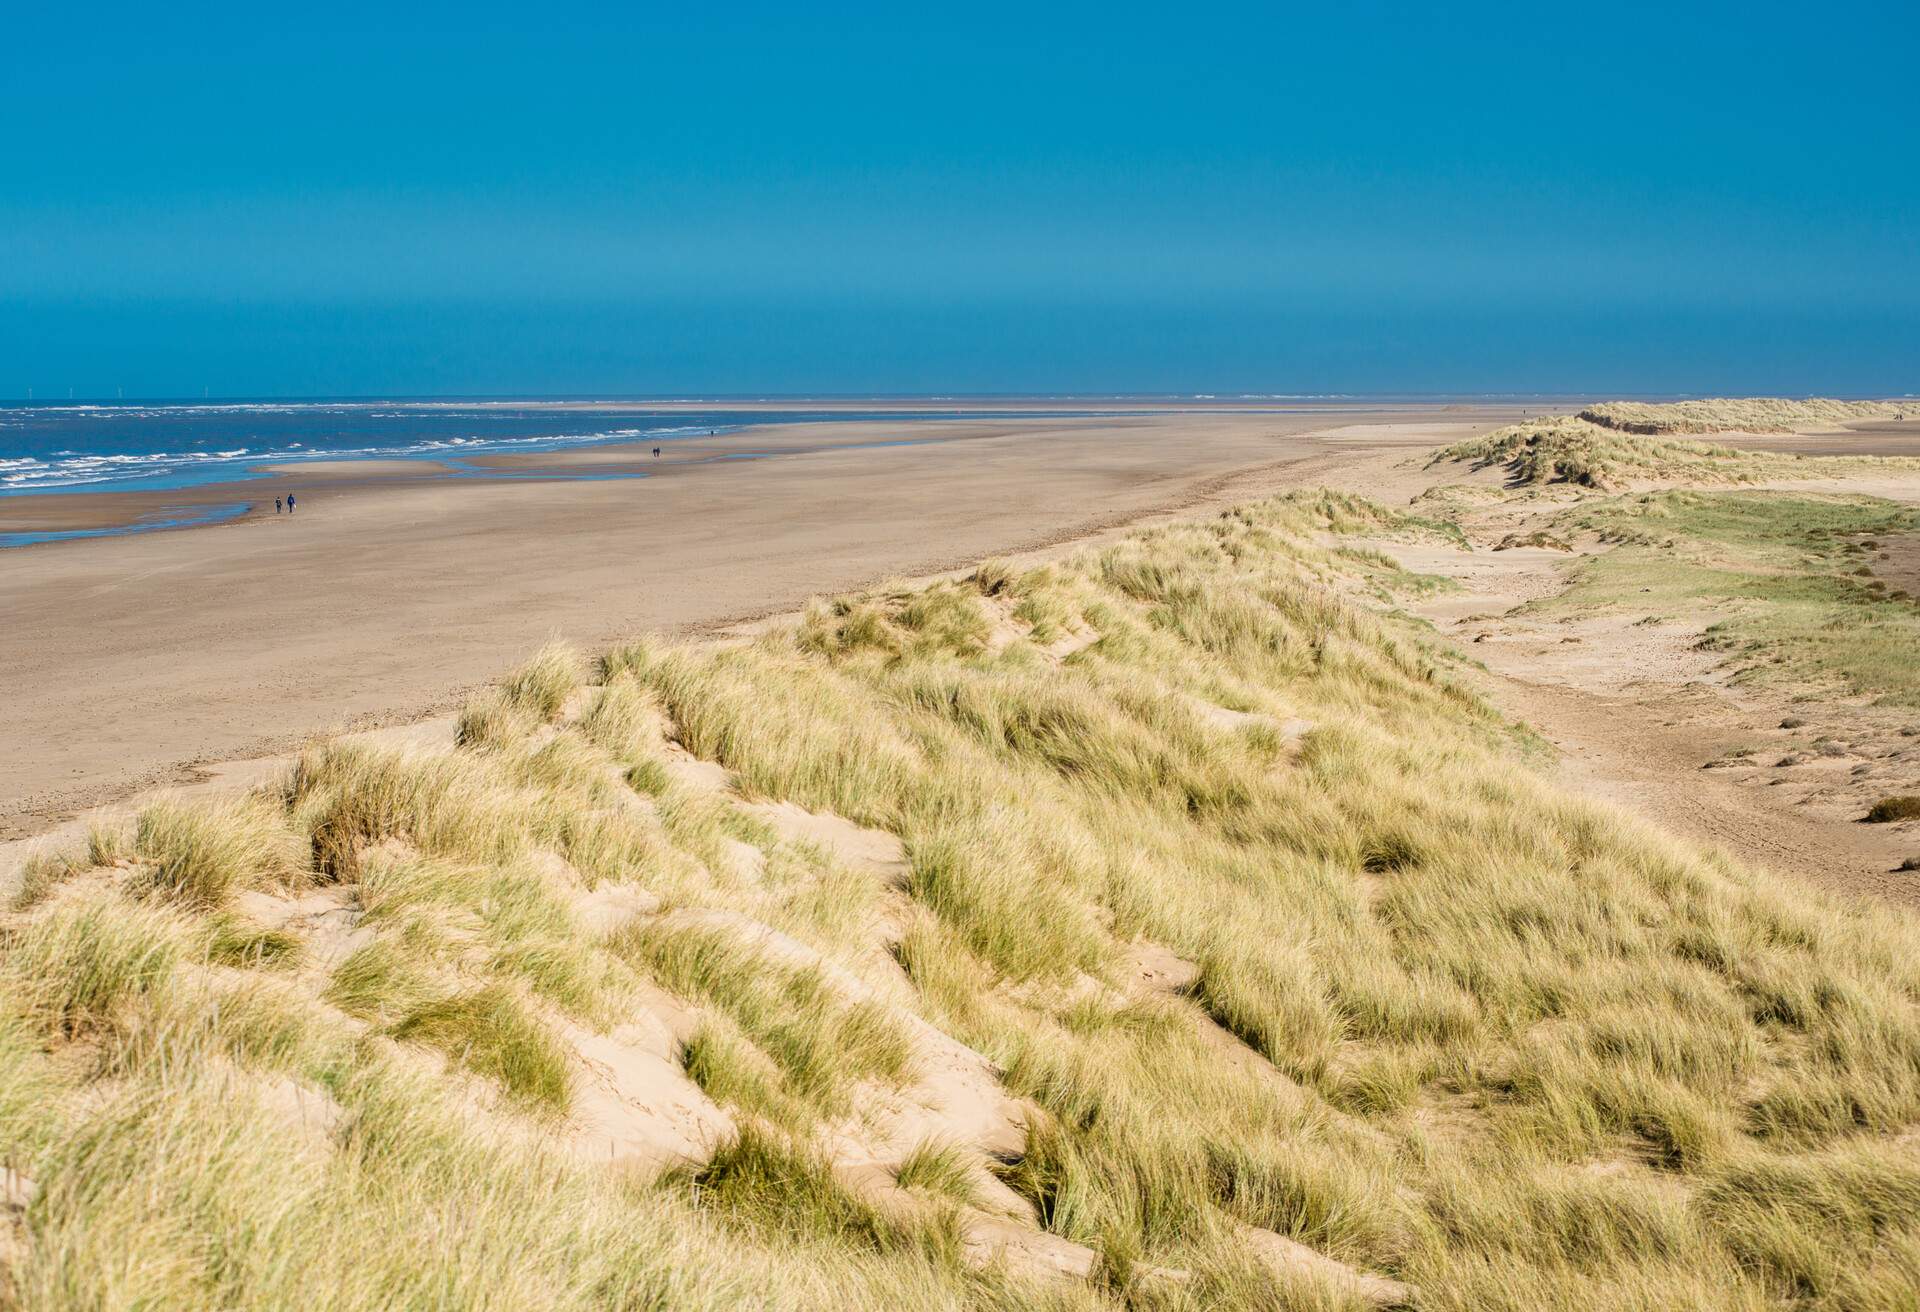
(709, 198)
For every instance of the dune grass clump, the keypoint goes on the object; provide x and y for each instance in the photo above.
(492, 719)
(1580, 452)
(200, 854)
(817, 1039)
(491, 1033)
(629, 658)
(942, 617)
(77, 964)
(1889, 809)
(541, 686)
(350, 797)
(734, 1073)
(767, 1184)
(107, 844)
(624, 720)
(41, 873)
(942, 1170)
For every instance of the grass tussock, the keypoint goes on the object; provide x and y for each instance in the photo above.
(767, 1184)
(1435, 1019)
(942, 1170)
(1889, 809)
(77, 965)
(816, 1042)
(541, 686)
(491, 1033)
(1585, 454)
(201, 854)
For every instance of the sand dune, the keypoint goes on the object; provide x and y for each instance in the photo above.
(889, 956)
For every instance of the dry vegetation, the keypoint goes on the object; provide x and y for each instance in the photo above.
(1229, 955)
(1748, 414)
(1585, 454)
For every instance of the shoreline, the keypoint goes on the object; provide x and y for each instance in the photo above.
(38, 519)
(139, 659)
(432, 725)
(1384, 460)
(78, 512)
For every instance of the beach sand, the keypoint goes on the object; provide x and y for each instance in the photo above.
(395, 590)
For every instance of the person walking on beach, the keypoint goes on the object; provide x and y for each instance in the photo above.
(289, 503)
(656, 453)
(276, 505)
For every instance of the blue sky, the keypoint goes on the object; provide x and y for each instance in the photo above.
(491, 198)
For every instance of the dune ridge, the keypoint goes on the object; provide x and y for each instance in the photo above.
(1167, 926)
(1756, 414)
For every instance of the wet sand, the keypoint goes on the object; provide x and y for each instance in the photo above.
(331, 479)
(392, 592)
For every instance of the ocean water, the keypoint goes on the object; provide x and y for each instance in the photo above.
(167, 517)
(134, 447)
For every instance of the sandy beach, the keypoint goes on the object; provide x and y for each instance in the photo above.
(398, 586)
(1472, 714)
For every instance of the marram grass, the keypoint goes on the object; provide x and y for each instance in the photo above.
(1433, 1019)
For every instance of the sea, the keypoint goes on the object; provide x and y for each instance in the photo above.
(127, 447)
(75, 448)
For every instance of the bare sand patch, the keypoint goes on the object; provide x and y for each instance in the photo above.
(636, 1107)
(1646, 715)
(294, 469)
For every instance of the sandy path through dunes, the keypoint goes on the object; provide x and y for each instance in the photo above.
(128, 659)
(1646, 751)
(1643, 716)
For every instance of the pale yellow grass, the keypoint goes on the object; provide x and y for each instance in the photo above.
(1445, 1024)
(1756, 414)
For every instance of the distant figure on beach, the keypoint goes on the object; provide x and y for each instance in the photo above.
(276, 505)
(656, 453)
(289, 503)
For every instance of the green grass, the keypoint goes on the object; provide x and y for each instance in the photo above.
(1778, 566)
(490, 1032)
(732, 1072)
(765, 1183)
(942, 1170)
(817, 1040)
